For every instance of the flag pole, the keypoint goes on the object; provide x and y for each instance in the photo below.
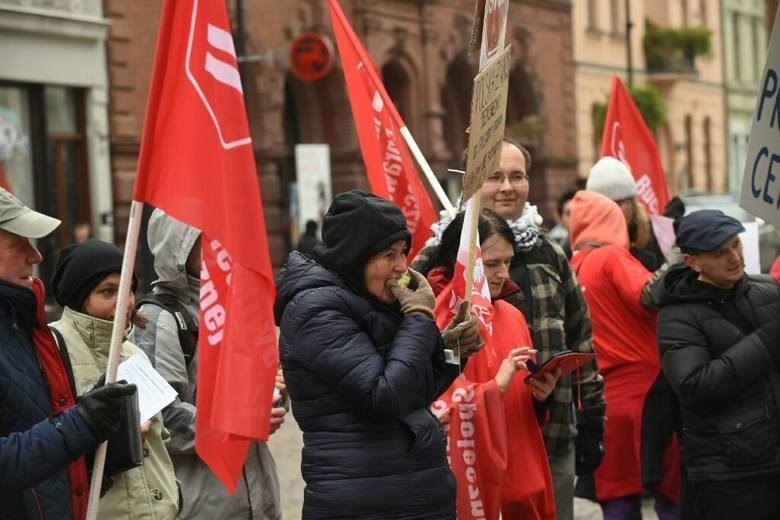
(426, 169)
(473, 224)
(117, 337)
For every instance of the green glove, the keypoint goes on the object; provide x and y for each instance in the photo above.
(416, 298)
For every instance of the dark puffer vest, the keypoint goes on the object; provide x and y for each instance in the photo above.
(723, 373)
(361, 377)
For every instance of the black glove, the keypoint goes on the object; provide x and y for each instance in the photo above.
(102, 407)
(588, 450)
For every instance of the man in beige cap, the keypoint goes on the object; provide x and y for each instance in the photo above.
(43, 433)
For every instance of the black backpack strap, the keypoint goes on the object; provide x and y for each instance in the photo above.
(185, 323)
(63, 348)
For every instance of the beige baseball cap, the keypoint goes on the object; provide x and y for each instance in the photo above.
(17, 218)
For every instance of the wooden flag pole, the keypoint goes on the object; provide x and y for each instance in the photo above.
(117, 338)
(426, 169)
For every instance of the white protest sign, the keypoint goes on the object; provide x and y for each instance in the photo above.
(750, 248)
(312, 169)
(493, 30)
(760, 194)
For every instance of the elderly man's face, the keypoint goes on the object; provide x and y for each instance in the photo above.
(17, 258)
(722, 268)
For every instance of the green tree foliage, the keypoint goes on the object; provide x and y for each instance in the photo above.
(647, 99)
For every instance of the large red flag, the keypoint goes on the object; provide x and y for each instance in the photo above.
(197, 163)
(626, 137)
(389, 164)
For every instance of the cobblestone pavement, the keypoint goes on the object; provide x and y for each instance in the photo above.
(286, 448)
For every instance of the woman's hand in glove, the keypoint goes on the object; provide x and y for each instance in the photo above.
(462, 333)
(416, 298)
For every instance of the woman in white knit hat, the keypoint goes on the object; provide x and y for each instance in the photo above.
(612, 178)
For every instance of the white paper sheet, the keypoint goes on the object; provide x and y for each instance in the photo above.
(154, 392)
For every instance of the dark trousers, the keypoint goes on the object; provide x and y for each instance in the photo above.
(754, 498)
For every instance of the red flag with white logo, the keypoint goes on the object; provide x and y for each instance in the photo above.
(626, 137)
(448, 302)
(197, 164)
(389, 164)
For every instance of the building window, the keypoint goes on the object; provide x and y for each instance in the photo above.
(684, 12)
(43, 157)
(737, 39)
(592, 15)
(703, 12)
(687, 178)
(16, 166)
(759, 46)
(615, 17)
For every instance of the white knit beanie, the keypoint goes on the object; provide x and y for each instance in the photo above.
(612, 178)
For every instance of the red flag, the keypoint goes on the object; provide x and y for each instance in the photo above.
(477, 440)
(448, 302)
(626, 137)
(197, 163)
(389, 164)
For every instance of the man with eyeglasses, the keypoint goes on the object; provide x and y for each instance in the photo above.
(552, 303)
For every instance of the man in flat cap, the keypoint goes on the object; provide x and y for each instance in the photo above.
(719, 339)
(43, 432)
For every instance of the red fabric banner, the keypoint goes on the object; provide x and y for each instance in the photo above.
(389, 163)
(626, 137)
(476, 445)
(197, 163)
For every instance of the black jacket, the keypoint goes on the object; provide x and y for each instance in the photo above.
(362, 377)
(723, 372)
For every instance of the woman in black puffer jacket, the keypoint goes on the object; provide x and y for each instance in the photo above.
(362, 370)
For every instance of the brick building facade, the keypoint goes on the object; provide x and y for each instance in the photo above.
(421, 49)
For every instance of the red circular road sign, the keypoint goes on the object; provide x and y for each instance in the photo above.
(311, 56)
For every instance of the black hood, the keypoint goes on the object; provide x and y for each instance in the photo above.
(681, 285)
(357, 226)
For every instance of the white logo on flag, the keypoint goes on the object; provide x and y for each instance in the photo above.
(203, 66)
(222, 71)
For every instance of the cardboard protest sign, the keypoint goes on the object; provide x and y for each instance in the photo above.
(488, 117)
(760, 194)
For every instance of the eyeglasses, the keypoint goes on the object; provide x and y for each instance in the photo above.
(514, 179)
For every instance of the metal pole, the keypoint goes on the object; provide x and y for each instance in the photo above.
(629, 62)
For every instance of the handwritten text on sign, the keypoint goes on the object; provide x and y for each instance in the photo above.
(488, 117)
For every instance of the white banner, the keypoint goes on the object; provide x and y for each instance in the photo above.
(760, 193)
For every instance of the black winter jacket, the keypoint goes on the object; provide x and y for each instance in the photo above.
(35, 448)
(723, 372)
(362, 377)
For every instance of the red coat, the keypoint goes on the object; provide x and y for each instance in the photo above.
(624, 337)
(517, 452)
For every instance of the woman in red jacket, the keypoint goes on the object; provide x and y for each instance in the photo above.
(507, 468)
(615, 286)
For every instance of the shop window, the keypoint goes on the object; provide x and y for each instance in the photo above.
(43, 158)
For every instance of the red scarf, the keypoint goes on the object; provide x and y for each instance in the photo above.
(60, 396)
